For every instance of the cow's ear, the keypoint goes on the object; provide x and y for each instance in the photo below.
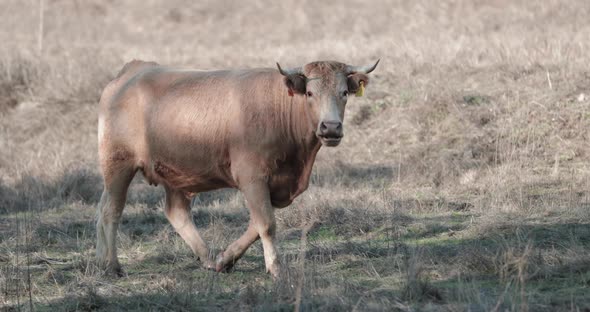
(296, 83)
(354, 82)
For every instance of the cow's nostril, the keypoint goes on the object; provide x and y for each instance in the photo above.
(330, 128)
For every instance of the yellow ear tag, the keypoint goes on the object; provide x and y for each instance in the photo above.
(361, 91)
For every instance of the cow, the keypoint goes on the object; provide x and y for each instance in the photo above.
(255, 130)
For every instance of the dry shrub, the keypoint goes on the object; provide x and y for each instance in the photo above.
(8, 197)
(362, 115)
(26, 79)
(417, 286)
(15, 82)
(475, 259)
(80, 184)
(31, 192)
(516, 264)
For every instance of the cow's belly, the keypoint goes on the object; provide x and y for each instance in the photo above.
(191, 179)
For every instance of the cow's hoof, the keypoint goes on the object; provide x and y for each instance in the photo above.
(223, 264)
(109, 268)
(209, 265)
(113, 270)
(275, 271)
(118, 272)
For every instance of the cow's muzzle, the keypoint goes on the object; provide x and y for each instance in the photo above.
(330, 132)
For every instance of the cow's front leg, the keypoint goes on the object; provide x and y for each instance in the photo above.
(262, 225)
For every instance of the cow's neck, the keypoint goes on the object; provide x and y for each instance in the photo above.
(307, 145)
(302, 129)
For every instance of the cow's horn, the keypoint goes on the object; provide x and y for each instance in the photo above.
(362, 69)
(290, 71)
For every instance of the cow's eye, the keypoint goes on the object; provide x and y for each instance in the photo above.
(344, 93)
(309, 94)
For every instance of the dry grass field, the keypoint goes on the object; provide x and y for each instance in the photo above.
(462, 184)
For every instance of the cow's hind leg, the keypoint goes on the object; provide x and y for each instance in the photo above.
(110, 208)
(179, 214)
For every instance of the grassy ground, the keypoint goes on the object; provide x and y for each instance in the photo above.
(461, 184)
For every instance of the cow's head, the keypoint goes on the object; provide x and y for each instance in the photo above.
(326, 87)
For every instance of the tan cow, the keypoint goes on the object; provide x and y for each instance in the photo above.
(257, 130)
